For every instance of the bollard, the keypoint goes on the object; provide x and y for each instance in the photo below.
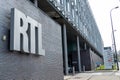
(83, 68)
(73, 70)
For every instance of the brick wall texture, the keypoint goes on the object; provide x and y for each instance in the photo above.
(21, 66)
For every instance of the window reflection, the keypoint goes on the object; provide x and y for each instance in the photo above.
(79, 14)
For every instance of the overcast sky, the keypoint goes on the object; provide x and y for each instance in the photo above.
(101, 11)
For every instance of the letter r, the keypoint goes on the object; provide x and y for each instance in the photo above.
(18, 32)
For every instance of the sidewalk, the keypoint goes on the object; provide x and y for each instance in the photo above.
(79, 76)
(94, 75)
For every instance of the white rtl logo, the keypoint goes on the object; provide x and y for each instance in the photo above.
(25, 34)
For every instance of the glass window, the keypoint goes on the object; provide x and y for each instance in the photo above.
(77, 19)
(57, 2)
(32, 1)
(68, 5)
(73, 14)
(61, 1)
(75, 2)
(68, 8)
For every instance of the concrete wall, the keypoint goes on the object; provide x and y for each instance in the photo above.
(85, 60)
(95, 60)
(89, 59)
(21, 66)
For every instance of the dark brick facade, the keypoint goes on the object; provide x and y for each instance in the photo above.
(89, 59)
(20, 66)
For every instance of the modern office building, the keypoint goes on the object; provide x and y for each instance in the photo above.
(44, 39)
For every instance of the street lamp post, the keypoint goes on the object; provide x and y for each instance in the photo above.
(116, 58)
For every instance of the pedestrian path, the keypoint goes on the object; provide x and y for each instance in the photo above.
(108, 75)
(81, 76)
(97, 73)
(117, 73)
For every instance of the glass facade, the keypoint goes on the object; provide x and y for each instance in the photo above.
(79, 14)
